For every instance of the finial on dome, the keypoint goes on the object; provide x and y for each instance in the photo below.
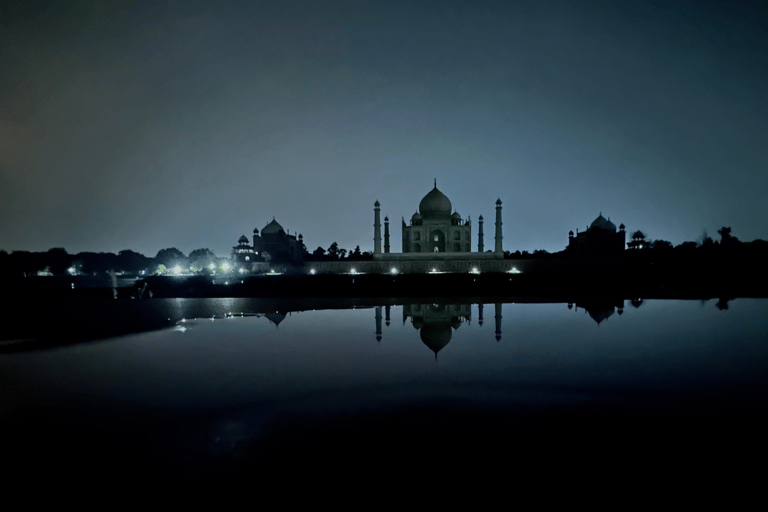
(435, 182)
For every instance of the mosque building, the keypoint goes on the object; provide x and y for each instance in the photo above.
(600, 240)
(273, 242)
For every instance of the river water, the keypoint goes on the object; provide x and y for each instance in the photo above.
(239, 392)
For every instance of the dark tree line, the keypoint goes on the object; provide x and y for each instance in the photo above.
(57, 262)
(335, 253)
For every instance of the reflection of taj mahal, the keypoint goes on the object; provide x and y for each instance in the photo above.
(437, 322)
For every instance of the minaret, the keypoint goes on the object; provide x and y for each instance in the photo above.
(498, 249)
(376, 228)
(386, 235)
(498, 321)
(480, 247)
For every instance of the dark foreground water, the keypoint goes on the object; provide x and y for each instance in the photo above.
(679, 385)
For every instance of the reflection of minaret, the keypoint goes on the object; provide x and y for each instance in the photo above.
(498, 321)
(480, 235)
(480, 314)
(386, 314)
(378, 323)
(386, 235)
(498, 249)
(376, 228)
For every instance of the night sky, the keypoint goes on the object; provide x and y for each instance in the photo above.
(145, 125)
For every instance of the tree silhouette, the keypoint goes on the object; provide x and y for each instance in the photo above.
(169, 257)
(333, 251)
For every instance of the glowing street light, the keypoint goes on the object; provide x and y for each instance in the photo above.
(225, 266)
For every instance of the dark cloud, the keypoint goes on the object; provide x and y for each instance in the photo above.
(146, 125)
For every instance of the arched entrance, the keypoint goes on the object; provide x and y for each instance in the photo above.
(437, 241)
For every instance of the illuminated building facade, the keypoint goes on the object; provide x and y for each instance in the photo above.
(435, 229)
(436, 237)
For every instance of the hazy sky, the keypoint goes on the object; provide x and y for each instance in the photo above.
(146, 125)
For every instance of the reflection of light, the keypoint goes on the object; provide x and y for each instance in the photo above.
(514, 271)
(181, 328)
(312, 271)
(394, 271)
(474, 271)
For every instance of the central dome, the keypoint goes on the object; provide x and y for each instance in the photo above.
(435, 205)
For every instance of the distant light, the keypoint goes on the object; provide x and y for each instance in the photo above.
(242, 271)
(212, 266)
(72, 270)
(514, 271)
(312, 271)
(394, 270)
(474, 271)
(225, 266)
(353, 271)
(226, 282)
(177, 270)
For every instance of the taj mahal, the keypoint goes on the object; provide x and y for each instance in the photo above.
(437, 240)
(435, 232)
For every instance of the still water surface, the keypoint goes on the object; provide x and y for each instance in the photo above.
(224, 396)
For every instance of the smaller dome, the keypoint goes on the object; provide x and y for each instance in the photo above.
(481, 218)
(416, 216)
(456, 216)
(255, 231)
(621, 226)
(570, 233)
(638, 234)
(242, 240)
